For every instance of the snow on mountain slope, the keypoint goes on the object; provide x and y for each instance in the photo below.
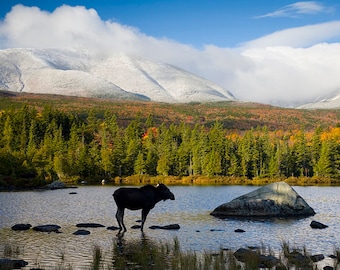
(330, 101)
(53, 72)
(85, 73)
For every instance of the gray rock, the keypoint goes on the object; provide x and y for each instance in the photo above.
(274, 200)
(47, 228)
(56, 185)
(318, 225)
(21, 227)
(81, 232)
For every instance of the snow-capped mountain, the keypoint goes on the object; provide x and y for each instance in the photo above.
(89, 74)
(330, 101)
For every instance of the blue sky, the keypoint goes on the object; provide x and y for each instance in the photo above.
(271, 51)
(225, 23)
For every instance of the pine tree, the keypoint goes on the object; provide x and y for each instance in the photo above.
(7, 135)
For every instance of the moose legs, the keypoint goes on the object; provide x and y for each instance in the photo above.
(119, 217)
(145, 212)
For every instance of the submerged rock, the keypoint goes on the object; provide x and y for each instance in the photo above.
(89, 225)
(166, 227)
(12, 264)
(113, 228)
(274, 200)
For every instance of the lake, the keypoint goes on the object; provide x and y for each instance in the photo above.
(199, 231)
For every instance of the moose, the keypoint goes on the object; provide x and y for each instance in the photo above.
(144, 198)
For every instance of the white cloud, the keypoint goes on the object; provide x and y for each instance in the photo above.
(286, 67)
(289, 75)
(303, 36)
(297, 9)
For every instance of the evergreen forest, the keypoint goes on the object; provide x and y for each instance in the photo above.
(38, 146)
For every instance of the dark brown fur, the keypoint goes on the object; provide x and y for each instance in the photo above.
(144, 198)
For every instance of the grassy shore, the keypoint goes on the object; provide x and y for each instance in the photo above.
(27, 184)
(222, 180)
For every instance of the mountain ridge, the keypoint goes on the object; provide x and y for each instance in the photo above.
(77, 72)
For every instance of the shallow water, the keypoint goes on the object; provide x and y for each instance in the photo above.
(199, 231)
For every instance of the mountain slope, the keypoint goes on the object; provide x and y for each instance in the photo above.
(88, 74)
(330, 101)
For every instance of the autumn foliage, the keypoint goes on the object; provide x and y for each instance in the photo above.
(188, 142)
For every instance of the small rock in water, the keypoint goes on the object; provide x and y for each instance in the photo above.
(81, 232)
(317, 257)
(56, 185)
(216, 230)
(47, 228)
(21, 227)
(113, 228)
(136, 227)
(239, 231)
(12, 264)
(317, 225)
(166, 227)
(89, 225)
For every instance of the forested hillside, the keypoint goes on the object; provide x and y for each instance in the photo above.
(79, 139)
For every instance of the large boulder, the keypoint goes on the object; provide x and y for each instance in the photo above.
(274, 200)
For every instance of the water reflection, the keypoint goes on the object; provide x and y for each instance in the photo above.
(199, 231)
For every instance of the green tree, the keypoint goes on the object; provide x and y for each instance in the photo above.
(303, 155)
(324, 166)
(7, 135)
(140, 167)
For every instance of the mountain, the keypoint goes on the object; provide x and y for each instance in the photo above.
(78, 72)
(330, 101)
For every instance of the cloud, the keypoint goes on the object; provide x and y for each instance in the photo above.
(65, 27)
(303, 36)
(297, 9)
(291, 66)
(286, 75)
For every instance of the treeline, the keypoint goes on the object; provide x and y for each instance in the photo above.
(51, 144)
